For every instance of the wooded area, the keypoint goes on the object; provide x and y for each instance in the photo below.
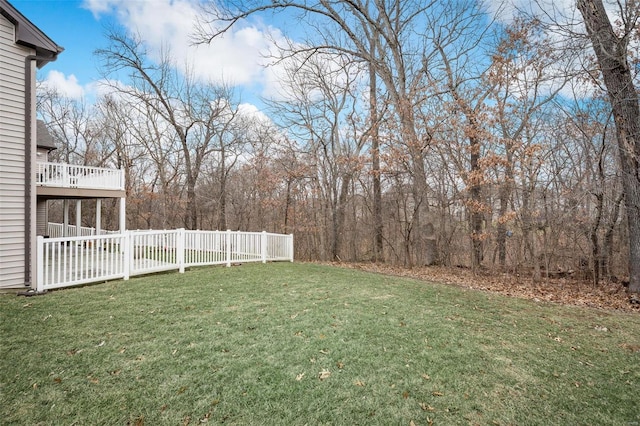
(406, 132)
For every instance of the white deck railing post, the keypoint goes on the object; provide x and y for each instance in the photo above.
(65, 176)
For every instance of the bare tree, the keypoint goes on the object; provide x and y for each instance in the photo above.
(322, 112)
(69, 122)
(611, 46)
(185, 106)
(355, 24)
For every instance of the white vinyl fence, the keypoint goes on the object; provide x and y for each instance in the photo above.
(69, 261)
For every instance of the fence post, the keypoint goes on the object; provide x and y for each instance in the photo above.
(228, 248)
(263, 249)
(40, 263)
(125, 248)
(180, 247)
(291, 247)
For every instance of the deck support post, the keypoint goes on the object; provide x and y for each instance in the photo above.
(99, 216)
(123, 215)
(78, 217)
(99, 221)
(65, 219)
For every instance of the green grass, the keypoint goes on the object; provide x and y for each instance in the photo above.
(246, 345)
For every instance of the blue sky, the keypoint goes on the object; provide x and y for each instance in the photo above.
(72, 27)
(235, 60)
(79, 26)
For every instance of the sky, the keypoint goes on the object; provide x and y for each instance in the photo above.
(236, 60)
(79, 27)
(73, 27)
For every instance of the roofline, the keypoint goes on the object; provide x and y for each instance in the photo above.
(29, 35)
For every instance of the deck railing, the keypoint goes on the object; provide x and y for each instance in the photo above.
(69, 261)
(56, 230)
(62, 175)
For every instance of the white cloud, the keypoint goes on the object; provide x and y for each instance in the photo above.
(66, 86)
(563, 14)
(236, 58)
(548, 10)
(252, 112)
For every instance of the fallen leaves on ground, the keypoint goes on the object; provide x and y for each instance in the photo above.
(138, 421)
(324, 374)
(566, 291)
(426, 407)
(630, 347)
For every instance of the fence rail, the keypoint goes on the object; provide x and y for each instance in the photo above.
(69, 261)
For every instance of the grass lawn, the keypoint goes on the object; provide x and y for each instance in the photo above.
(294, 344)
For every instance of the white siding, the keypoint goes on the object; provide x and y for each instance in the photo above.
(12, 158)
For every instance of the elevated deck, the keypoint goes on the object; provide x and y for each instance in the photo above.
(59, 180)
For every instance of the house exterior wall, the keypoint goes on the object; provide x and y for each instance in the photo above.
(42, 220)
(12, 157)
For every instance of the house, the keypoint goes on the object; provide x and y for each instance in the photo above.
(27, 180)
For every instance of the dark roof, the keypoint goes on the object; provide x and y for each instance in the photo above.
(43, 138)
(27, 34)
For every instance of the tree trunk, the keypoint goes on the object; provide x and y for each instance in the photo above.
(475, 191)
(222, 204)
(286, 206)
(378, 254)
(595, 243)
(340, 216)
(501, 238)
(607, 250)
(611, 52)
(505, 195)
(192, 211)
